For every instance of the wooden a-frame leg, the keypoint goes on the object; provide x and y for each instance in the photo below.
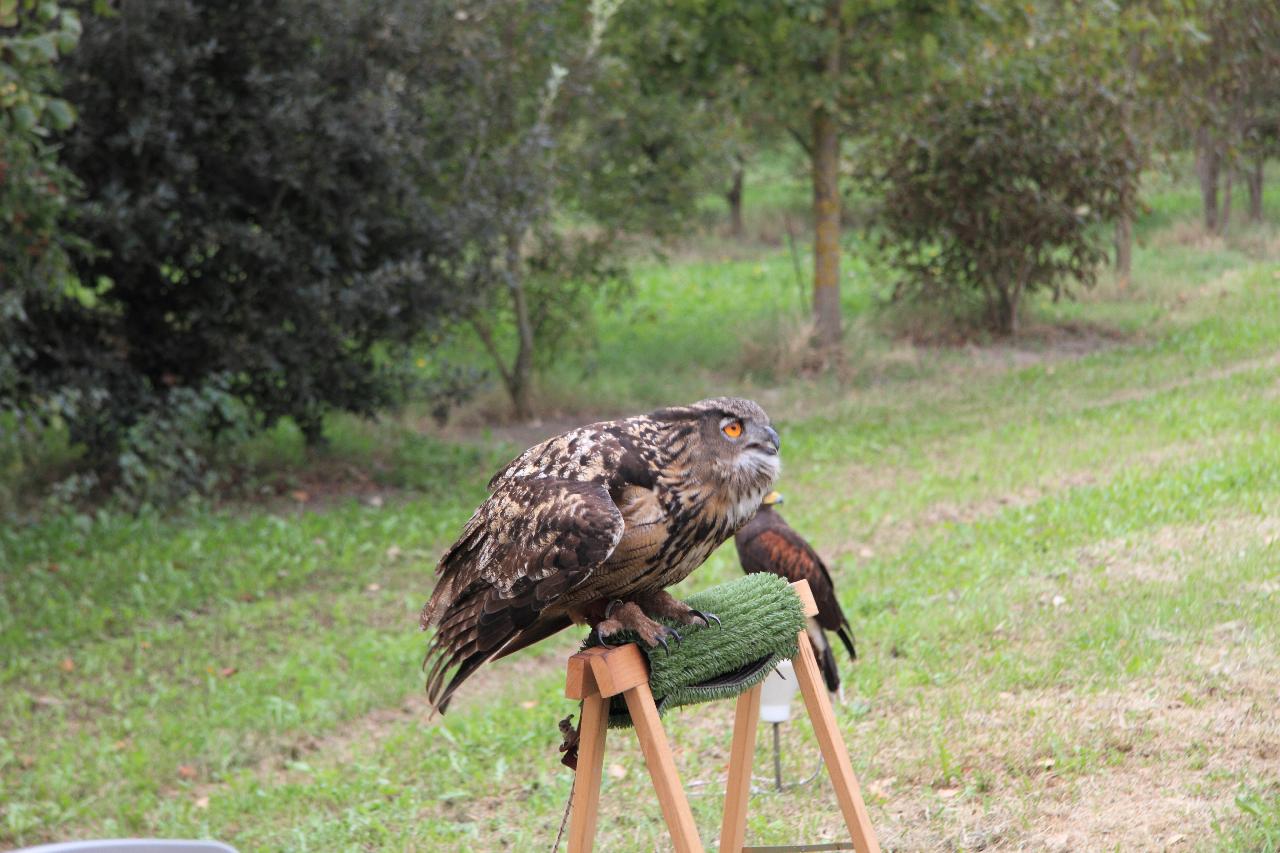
(662, 769)
(586, 784)
(834, 753)
(733, 829)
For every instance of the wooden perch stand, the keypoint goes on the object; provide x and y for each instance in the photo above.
(597, 674)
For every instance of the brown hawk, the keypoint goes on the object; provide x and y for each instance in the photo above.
(590, 526)
(768, 544)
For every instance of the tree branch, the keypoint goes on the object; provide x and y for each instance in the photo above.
(801, 141)
(486, 337)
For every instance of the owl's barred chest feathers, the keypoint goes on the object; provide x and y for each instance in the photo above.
(670, 531)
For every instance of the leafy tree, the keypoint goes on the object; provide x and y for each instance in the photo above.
(509, 98)
(1261, 140)
(996, 191)
(814, 70)
(1230, 96)
(700, 107)
(253, 177)
(569, 149)
(1138, 50)
(34, 186)
(1257, 113)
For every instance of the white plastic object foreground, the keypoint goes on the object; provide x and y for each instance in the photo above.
(131, 845)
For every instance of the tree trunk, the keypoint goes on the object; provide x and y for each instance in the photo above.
(1207, 166)
(1124, 248)
(521, 382)
(734, 197)
(1254, 179)
(1224, 216)
(1000, 312)
(826, 226)
(311, 425)
(826, 202)
(1015, 306)
(1124, 224)
(1006, 319)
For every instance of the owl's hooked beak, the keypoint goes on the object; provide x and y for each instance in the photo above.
(771, 444)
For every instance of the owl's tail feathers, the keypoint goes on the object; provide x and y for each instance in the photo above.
(455, 644)
(470, 632)
(441, 599)
(475, 630)
(539, 630)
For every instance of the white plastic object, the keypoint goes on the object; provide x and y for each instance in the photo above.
(776, 694)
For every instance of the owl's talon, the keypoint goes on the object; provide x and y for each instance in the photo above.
(600, 639)
(707, 618)
(612, 606)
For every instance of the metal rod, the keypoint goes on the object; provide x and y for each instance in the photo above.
(801, 848)
(777, 758)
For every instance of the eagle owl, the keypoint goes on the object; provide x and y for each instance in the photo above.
(768, 544)
(590, 526)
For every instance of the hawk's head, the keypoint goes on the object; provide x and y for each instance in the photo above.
(733, 446)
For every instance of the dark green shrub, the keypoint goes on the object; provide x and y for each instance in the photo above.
(257, 191)
(995, 194)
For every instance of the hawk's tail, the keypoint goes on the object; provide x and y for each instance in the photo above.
(846, 636)
(826, 659)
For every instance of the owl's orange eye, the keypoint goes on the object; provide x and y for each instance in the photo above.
(733, 429)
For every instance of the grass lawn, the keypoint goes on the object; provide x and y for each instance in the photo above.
(1060, 555)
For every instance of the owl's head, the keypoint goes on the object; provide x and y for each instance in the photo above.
(732, 443)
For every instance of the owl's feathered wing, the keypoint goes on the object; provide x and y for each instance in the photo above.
(549, 523)
(768, 544)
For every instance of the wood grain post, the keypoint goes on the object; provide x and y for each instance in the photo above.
(662, 769)
(834, 753)
(594, 676)
(733, 829)
(586, 783)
